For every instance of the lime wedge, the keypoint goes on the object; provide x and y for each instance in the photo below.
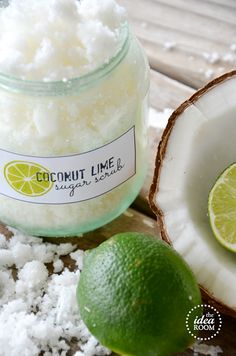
(22, 177)
(222, 208)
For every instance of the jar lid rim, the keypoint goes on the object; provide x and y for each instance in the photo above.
(60, 87)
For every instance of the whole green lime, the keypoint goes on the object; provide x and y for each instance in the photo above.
(134, 294)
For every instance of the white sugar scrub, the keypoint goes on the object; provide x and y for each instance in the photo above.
(74, 83)
(38, 310)
(67, 38)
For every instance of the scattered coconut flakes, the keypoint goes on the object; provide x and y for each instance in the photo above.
(159, 119)
(209, 73)
(215, 57)
(58, 266)
(38, 311)
(144, 24)
(191, 58)
(233, 47)
(21, 253)
(64, 249)
(34, 274)
(128, 214)
(212, 58)
(221, 69)
(6, 258)
(205, 349)
(78, 257)
(3, 242)
(228, 58)
(149, 223)
(169, 45)
(7, 286)
(88, 348)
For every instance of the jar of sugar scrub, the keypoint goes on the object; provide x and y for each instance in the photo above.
(74, 83)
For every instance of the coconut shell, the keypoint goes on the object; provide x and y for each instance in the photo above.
(207, 296)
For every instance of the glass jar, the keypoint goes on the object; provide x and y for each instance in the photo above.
(73, 153)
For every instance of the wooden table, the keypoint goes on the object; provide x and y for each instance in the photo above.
(187, 42)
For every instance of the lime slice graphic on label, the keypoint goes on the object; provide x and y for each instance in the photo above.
(22, 177)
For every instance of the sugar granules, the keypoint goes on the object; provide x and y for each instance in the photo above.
(38, 310)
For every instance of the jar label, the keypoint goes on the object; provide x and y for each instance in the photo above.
(68, 179)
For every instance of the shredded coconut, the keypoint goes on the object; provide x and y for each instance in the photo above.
(58, 266)
(128, 214)
(3, 242)
(169, 45)
(228, 58)
(204, 349)
(211, 58)
(233, 47)
(217, 58)
(38, 310)
(53, 40)
(209, 73)
(77, 256)
(144, 24)
(149, 223)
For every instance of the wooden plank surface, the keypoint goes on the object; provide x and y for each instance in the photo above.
(228, 3)
(188, 40)
(165, 93)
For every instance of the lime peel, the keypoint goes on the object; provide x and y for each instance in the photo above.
(137, 310)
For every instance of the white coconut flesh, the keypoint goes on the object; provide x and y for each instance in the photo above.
(202, 143)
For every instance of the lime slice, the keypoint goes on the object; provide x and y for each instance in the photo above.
(222, 208)
(22, 177)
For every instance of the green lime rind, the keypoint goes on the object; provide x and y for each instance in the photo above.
(134, 294)
(222, 208)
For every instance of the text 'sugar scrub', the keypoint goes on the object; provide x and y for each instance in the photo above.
(73, 104)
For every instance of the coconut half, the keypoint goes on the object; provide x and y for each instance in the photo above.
(198, 143)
